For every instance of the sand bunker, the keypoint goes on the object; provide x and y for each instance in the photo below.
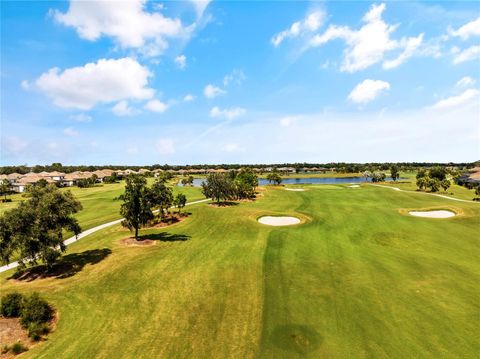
(278, 221)
(354, 186)
(433, 214)
(294, 189)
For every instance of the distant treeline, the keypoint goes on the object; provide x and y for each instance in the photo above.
(340, 167)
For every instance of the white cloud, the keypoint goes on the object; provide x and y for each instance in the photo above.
(456, 101)
(52, 145)
(212, 91)
(469, 54)
(233, 147)
(466, 81)
(369, 44)
(410, 46)
(228, 113)
(189, 97)
(127, 22)
(13, 145)
(181, 62)
(309, 24)
(105, 81)
(368, 90)
(70, 132)
(81, 117)
(25, 85)
(200, 6)
(165, 146)
(471, 28)
(123, 109)
(288, 121)
(156, 106)
(236, 76)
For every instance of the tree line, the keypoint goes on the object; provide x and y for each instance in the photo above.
(341, 167)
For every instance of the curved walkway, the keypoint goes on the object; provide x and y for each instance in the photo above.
(431, 194)
(88, 232)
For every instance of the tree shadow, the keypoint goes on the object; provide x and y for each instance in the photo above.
(164, 237)
(224, 204)
(67, 267)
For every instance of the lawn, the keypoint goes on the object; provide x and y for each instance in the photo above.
(101, 203)
(357, 279)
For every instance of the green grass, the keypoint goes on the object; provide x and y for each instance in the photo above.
(358, 279)
(100, 203)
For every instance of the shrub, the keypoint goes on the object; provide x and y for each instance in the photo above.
(12, 304)
(37, 330)
(18, 348)
(35, 310)
(5, 349)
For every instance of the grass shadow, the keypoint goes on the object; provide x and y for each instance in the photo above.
(67, 267)
(299, 339)
(164, 237)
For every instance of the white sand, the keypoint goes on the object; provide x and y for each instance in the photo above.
(295, 189)
(354, 186)
(278, 221)
(433, 214)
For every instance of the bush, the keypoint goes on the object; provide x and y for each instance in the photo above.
(12, 304)
(5, 349)
(37, 330)
(18, 348)
(35, 310)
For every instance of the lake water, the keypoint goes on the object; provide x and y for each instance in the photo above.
(197, 182)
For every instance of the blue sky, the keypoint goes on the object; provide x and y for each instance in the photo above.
(111, 82)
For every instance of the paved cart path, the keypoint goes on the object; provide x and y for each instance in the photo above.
(88, 232)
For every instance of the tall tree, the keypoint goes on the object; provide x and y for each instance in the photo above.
(246, 182)
(136, 207)
(161, 197)
(35, 228)
(274, 177)
(180, 201)
(394, 173)
(5, 188)
(218, 187)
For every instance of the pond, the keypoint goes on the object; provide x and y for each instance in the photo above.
(197, 182)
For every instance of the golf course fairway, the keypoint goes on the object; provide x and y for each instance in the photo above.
(359, 279)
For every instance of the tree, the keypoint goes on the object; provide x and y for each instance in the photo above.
(394, 172)
(246, 182)
(136, 207)
(5, 188)
(218, 187)
(161, 197)
(35, 228)
(367, 175)
(438, 172)
(422, 182)
(180, 201)
(445, 184)
(433, 184)
(422, 173)
(274, 177)
(378, 177)
(477, 191)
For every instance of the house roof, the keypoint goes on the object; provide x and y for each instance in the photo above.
(14, 175)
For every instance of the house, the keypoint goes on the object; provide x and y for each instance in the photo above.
(20, 184)
(55, 175)
(71, 179)
(13, 176)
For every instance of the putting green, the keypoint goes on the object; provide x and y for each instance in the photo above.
(358, 280)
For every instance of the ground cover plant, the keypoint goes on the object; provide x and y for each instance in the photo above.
(360, 278)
